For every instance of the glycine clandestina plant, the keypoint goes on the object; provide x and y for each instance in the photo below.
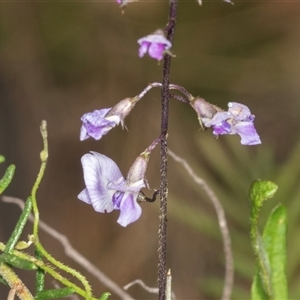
(106, 189)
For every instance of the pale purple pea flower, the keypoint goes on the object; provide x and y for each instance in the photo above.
(155, 44)
(237, 120)
(97, 123)
(107, 190)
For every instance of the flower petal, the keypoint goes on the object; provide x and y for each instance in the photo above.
(247, 132)
(155, 44)
(143, 48)
(130, 210)
(217, 119)
(156, 51)
(84, 196)
(95, 125)
(98, 171)
(157, 38)
(223, 128)
(240, 112)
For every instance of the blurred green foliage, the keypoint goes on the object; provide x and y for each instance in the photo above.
(234, 168)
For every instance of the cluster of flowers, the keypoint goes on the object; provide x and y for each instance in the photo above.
(106, 188)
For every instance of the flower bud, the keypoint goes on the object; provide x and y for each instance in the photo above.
(204, 110)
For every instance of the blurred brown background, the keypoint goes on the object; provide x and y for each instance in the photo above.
(59, 60)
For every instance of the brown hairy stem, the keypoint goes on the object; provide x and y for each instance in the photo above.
(165, 96)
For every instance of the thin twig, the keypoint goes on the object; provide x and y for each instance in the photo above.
(74, 254)
(154, 290)
(229, 272)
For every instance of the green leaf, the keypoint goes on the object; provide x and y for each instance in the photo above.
(7, 178)
(274, 239)
(17, 261)
(2, 159)
(263, 273)
(270, 280)
(257, 289)
(105, 296)
(54, 293)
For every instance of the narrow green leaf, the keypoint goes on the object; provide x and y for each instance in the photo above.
(7, 178)
(257, 289)
(105, 296)
(264, 268)
(17, 261)
(40, 274)
(2, 159)
(274, 239)
(54, 293)
(19, 227)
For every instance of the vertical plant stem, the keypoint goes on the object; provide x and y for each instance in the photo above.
(165, 96)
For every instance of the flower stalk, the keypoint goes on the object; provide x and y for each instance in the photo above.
(165, 96)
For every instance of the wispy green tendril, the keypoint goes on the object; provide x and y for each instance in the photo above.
(44, 157)
(61, 266)
(35, 239)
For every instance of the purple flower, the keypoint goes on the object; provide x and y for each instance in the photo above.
(237, 120)
(155, 44)
(107, 190)
(97, 123)
(123, 3)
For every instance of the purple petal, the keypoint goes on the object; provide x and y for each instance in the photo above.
(217, 119)
(143, 48)
(117, 198)
(223, 128)
(156, 51)
(247, 132)
(95, 125)
(98, 171)
(130, 209)
(155, 44)
(157, 39)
